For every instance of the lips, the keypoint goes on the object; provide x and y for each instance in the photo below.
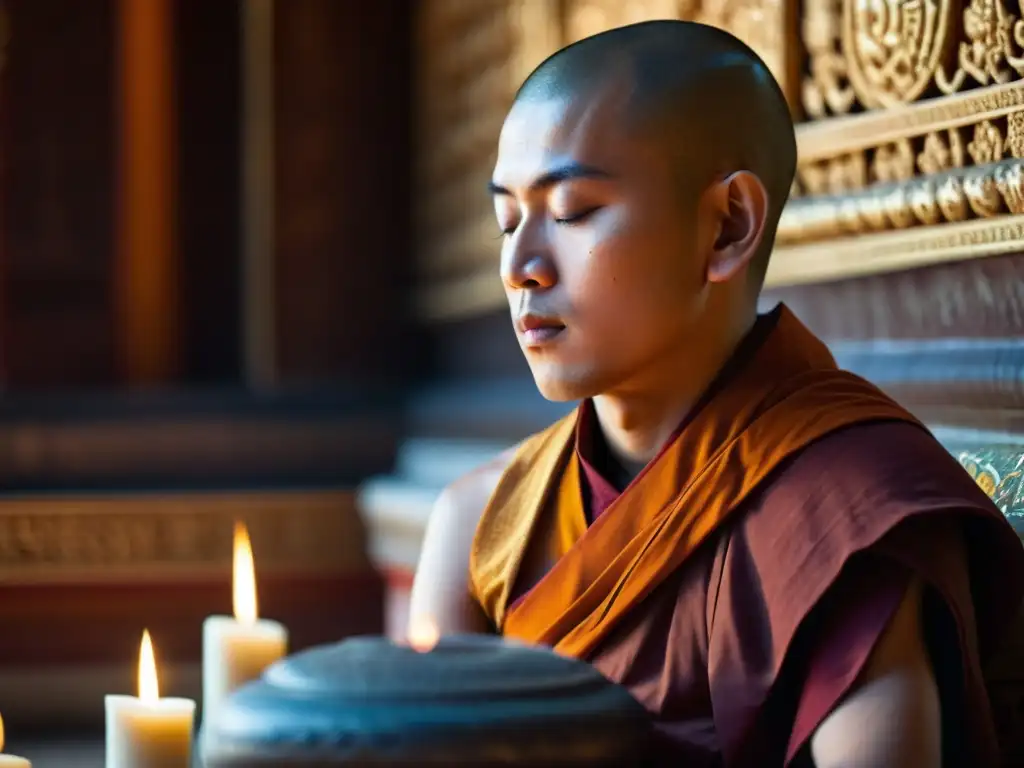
(536, 330)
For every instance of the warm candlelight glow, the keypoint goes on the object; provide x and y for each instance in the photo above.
(149, 690)
(423, 634)
(1, 734)
(244, 577)
(145, 730)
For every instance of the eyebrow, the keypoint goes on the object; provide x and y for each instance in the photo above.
(556, 175)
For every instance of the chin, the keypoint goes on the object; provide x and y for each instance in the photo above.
(562, 386)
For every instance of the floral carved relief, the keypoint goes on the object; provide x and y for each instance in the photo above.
(826, 90)
(873, 54)
(894, 47)
(993, 49)
(932, 92)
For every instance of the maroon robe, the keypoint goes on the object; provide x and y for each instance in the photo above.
(663, 657)
(746, 647)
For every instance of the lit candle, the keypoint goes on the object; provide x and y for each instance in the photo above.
(237, 650)
(423, 634)
(149, 732)
(10, 761)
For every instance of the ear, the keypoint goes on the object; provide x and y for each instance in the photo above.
(740, 205)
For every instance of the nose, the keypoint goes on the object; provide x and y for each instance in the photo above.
(527, 263)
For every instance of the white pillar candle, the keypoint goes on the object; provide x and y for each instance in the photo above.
(237, 650)
(149, 732)
(10, 761)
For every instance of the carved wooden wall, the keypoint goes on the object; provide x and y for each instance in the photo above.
(911, 145)
(916, 138)
(900, 244)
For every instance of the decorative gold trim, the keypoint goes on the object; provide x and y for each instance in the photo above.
(982, 191)
(826, 139)
(63, 538)
(884, 252)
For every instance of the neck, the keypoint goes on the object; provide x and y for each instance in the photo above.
(637, 420)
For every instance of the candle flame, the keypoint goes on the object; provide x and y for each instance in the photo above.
(424, 634)
(1, 734)
(243, 577)
(149, 689)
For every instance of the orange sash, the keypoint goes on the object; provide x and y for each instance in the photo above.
(788, 394)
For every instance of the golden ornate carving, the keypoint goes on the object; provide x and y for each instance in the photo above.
(992, 52)
(50, 538)
(894, 47)
(953, 196)
(1015, 134)
(827, 89)
(834, 176)
(893, 162)
(942, 151)
(894, 251)
(825, 139)
(987, 145)
(893, 51)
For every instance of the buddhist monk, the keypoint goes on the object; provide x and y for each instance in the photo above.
(777, 560)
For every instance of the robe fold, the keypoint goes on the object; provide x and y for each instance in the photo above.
(739, 583)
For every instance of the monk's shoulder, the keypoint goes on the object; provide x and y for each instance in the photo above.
(462, 503)
(441, 589)
(875, 468)
(844, 494)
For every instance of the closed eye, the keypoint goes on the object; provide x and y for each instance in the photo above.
(578, 218)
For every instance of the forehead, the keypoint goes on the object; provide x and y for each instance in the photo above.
(538, 134)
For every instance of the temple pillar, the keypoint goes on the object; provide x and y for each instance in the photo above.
(146, 275)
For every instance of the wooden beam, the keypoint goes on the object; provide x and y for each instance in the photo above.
(146, 272)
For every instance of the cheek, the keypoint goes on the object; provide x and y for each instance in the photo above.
(629, 291)
(627, 263)
(595, 266)
(610, 293)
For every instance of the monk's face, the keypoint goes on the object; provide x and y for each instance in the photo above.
(601, 246)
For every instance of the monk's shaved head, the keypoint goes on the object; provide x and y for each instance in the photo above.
(707, 95)
(638, 185)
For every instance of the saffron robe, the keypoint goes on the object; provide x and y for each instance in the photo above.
(738, 585)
